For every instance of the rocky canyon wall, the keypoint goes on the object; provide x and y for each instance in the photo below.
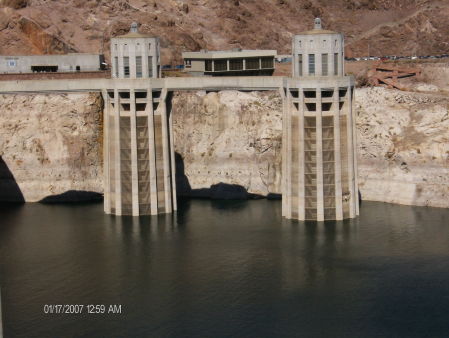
(51, 144)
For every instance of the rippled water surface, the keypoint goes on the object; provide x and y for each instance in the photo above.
(225, 269)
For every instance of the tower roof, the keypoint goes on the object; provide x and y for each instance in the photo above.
(133, 33)
(317, 29)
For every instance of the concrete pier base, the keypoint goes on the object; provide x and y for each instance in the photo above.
(138, 152)
(319, 160)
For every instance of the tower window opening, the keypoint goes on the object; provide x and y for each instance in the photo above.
(327, 93)
(300, 64)
(336, 64)
(126, 66)
(326, 106)
(138, 66)
(309, 94)
(324, 65)
(311, 64)
(150, 66)
(311, 107)
(116, 66)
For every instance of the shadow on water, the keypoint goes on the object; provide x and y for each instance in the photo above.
(221, 191)
(73, 196)
(9, 189)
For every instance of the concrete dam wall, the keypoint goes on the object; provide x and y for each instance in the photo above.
(52, 144)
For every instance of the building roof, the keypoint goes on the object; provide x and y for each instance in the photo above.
(318, 29)
(228, 54)
(133, 33)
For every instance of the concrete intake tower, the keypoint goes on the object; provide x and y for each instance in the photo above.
(319, 152)
(319, 169)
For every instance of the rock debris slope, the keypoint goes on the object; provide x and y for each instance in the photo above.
(378, 27)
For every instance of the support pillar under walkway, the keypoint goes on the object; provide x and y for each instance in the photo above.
(138, 152)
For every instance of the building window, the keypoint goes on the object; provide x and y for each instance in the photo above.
(299, 43)
(208, 66)
(150, 66)
(11, 63)
(220, 65)
(252, 63)
(188, 63)
(324, 65)
(149, 46)
(267, 62)
(125, 49)
(115, 47)
(336, 44)
(126, 66)
(236, 64)
(311, 64)
(324, 43)
(116, 66)
(336, 64)
(138, 66)
(300, 64)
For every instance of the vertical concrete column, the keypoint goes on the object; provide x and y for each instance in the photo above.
(144, 54)
(356, 171)
(132, 60)
(134, 168)
(227, 65)
(330, 61)
(152, 151)
(172, 154)
(337, 155)
(318, 65)
(295, 63)
(116, 145)
(351, 149)
(288, 183)
(213, 65)
(106, 173)
(166, 152)
(244, 64)
(284, 152)
(121, 72)
(260, 63)
(319, 157)
(301, 158)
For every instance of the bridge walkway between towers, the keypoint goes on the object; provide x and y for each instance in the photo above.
(249, 83)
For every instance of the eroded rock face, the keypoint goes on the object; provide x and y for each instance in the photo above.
(403, 147)
(235, 138)
(50, 144)
(230, 137)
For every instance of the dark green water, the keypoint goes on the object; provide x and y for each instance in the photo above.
(220, 269)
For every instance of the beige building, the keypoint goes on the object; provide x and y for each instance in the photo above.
(72, 62)
(320, 169)
(230, 63)
(135, 55)
(138, 142)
